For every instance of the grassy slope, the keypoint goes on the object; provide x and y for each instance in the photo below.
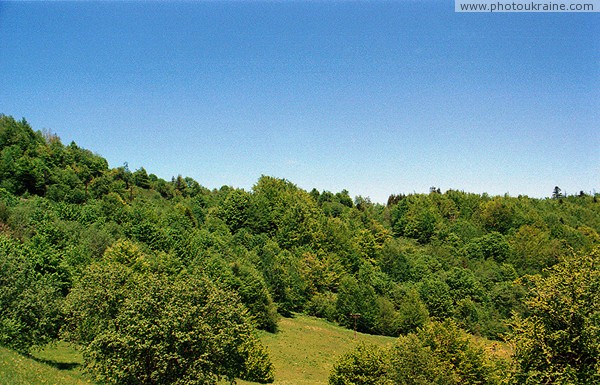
(305, 348)
(303, 352)
(59, 365)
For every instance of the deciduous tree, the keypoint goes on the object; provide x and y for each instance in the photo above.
(558, 340)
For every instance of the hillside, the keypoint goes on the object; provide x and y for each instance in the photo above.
(303, 352)
(59, 365)
(111, 258)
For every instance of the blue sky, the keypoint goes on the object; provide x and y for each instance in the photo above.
(376, 97)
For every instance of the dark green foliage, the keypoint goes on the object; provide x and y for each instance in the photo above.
(463, 284)
(395, 261)
(30, 302)
(415, 218)
(41, 165)
(287, 285)
(252, 289)
(141, 179)
(236, 210)
(4, 212)
(411, 311)
(355, 298)
(437, 297)
(490, 246)
(66, 187)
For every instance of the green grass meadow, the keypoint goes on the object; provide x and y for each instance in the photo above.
(56, 365)
(305, 349)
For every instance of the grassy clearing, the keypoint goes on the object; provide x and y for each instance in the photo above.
(305, 349)
(56, 365)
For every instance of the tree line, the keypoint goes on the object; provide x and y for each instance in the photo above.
(102, 256)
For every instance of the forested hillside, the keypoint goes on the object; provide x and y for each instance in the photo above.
(164, 281)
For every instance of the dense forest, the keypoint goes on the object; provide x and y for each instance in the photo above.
(166, 282)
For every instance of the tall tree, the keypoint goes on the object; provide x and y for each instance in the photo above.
(139, 327)
(556, 193)
(558, 340)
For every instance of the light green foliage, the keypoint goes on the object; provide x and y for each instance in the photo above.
(301, 223)
(323, 305)
(558, 340)
(95, 301)
(125, 252)
(321, 273)
(439, 353)
(468, 362)
(365, 365)
(146, 328)
(534, 249)
(370, 242)
(498, 214)
(411, 363)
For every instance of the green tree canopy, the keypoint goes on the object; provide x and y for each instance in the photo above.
(558, 340)
(30, 302)
(147, 328)
(439, 353)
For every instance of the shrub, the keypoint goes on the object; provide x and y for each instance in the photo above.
(145, 328)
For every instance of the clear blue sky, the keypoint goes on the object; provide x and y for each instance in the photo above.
(371, 96)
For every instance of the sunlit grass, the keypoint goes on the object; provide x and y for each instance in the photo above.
(305, 349)
(55, 365)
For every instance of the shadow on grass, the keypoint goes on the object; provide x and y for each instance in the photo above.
(56, 364)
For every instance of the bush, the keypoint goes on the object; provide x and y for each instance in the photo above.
(558, 340)
(438, 354)
(411, 363)
(365, 365)
(29, 302)
(144, 328)
(322, 305)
